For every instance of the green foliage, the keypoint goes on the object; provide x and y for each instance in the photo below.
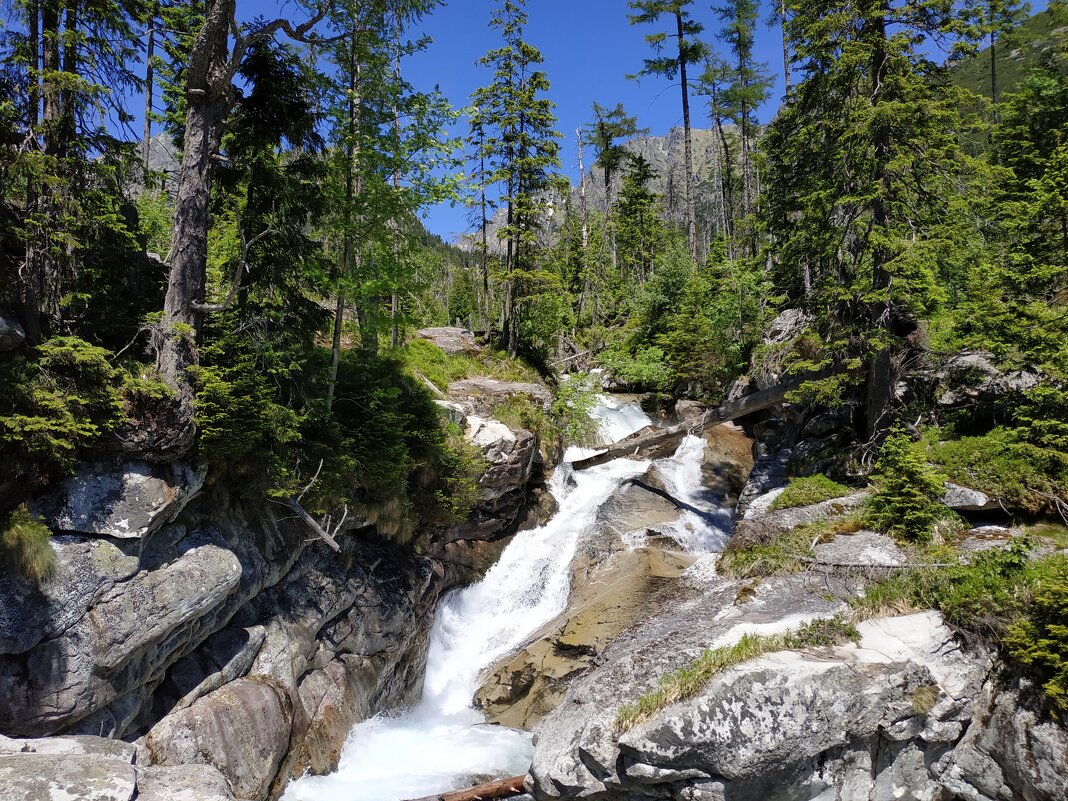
(155, 213)
(906, 502)
(57, 405)
(460, 465)
(1039, 641)
(441, 368)
(809, 490)
(25, 549)
(573, 401)
(1001, 464)
(688, 681)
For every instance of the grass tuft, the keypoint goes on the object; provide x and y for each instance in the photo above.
(25, 549)
(809, 490)
(786, 553)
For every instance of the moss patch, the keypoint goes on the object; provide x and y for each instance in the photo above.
(809, 490)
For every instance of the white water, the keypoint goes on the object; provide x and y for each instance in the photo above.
(443, 743)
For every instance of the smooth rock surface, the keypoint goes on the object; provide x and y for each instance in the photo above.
(450, 339)
(874, 720)
(67, 777)
(182, 783)
(11, 333)
(127, 502)
(966, 499)
(241, 729)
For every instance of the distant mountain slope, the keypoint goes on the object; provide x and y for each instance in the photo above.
(1018, 52)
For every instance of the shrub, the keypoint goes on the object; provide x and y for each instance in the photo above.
(571, 407)
(24, 546)
(809, 490)
(1024, 475)
(56, 407)
(1039, 641)
(908, 491)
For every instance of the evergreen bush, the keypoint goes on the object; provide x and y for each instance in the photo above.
(908, 491)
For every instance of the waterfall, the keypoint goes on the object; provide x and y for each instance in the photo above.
(443, 743)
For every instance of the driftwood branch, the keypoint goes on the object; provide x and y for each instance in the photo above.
(503, 788)
(313, 524)
(239, 272)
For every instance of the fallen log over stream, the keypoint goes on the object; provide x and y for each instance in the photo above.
(637, 445)
(502, 788)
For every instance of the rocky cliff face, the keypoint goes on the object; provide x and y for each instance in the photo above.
(219, 635)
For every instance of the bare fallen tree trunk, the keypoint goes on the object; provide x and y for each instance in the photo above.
(503, 788)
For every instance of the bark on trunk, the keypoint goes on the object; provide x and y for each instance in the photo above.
(691, 208)
(150, 55)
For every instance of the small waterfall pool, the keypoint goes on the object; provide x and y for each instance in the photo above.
(443, 743)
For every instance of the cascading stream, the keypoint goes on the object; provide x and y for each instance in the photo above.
(443, 743)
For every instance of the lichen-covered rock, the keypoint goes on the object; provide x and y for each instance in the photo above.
(85, 570)
(486, 393)
(70, 777)
(862, 549)
(870, 721)
(129, 634)
(129, 501)
(83, 745)
(761, 524)
(242, 729)
(182, 783)
(1009, 753)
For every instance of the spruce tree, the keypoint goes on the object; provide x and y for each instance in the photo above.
(522, 147)
(689, 50)
(863, 164)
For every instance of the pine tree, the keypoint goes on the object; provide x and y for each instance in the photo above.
(1000, 16)
(749, 86)
(863, 164)
(522, 148)
(689, 50)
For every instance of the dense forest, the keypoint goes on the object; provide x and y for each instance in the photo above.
(251, 302)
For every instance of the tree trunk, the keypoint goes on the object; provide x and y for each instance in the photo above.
(210, 95)
(879, 378)
(492, 791)
(785, 47)
(150, 70)
(691, 208)
(32, 268)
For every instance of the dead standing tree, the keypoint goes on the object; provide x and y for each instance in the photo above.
(216, 55)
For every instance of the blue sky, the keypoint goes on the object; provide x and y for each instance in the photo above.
(589, 49)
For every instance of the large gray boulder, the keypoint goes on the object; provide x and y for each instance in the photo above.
(509, 455)
(11, 333)
(128, 501)
(876, 720)
(486, 393)
(966, 499)
(241, 729)
(1009, 752)
(130, 634)
(182, 783)
(450, 339)
(972, 377)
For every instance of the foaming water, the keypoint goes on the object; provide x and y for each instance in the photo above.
(443, 742)
(617, 419)
(702, 527)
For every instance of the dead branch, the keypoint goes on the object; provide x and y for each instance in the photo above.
(313, 524)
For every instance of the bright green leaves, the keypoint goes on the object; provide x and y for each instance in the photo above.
(908, 491)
